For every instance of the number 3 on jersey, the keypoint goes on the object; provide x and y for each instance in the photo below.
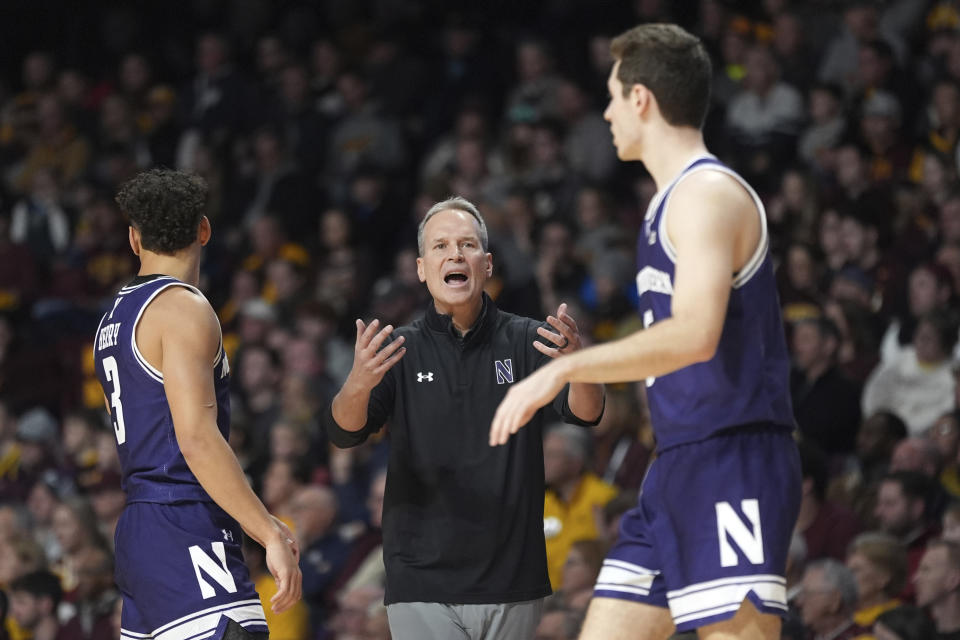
(647, 321)
(116, 409)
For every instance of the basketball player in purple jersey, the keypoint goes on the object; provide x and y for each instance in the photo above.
(705, 548)
(159, 357)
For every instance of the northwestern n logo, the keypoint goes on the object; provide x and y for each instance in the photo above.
(216, 569)
(504, 369)
(730, 528)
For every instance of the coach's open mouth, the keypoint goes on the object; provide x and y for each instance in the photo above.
(456, 279)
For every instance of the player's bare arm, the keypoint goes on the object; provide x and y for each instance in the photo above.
(585, 400)
(370, 364)
(714, 226)
(179, 334)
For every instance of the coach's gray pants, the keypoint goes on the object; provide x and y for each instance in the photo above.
(436, 621)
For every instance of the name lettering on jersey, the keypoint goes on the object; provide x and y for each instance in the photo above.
(215, 569)
(504, 371)
(730, 527)
(425, 377)
(108, 336)
(650, 279)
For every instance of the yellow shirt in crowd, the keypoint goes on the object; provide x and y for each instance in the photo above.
(565, 523)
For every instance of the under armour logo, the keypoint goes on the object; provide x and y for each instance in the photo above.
(227, 534)
(504, 369)
(653, 238)
(428, 376)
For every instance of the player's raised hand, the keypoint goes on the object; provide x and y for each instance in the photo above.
(370, 362)
(566, 337)
(522, 401)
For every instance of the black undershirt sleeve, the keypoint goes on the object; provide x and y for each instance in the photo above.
(561, 404)
(378, 410)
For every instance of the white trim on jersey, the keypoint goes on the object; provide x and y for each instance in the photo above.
(714, 597)
(756, 259)
(205, 621)
(96, 336)
(133, 634)
(220, 354)
(617, 575)
(149, 369)
(129, 288)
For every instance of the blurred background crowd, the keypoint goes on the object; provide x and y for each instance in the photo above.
(326, 129)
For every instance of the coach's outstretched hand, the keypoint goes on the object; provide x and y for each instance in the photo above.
(567, 336)
(538, 389)
(370, 362)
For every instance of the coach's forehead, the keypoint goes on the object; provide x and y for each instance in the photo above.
(450, 221)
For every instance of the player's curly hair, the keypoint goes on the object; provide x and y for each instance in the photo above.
(165, 206)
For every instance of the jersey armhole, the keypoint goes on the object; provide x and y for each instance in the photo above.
(148, 368)
(752, 265)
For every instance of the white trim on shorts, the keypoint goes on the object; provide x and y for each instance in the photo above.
(625, 577)
(707, 599)
(203, 624)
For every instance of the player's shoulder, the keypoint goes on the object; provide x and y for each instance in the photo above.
(183, 298)
(180, 305)
(715, 193)
(713, 181)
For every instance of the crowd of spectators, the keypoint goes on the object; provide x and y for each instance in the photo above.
(326, 129)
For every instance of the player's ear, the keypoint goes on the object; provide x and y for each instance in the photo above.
(489, 265)
(204, 231)
(641, 98)
(420, 274)
(134, 237)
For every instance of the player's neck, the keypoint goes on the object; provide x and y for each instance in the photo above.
(667, 150)
(184, 266)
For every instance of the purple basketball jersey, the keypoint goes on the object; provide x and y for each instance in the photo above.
(747, 380)
(179, 564)
(152, 465)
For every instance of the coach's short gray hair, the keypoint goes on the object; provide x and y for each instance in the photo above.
(455, 203)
